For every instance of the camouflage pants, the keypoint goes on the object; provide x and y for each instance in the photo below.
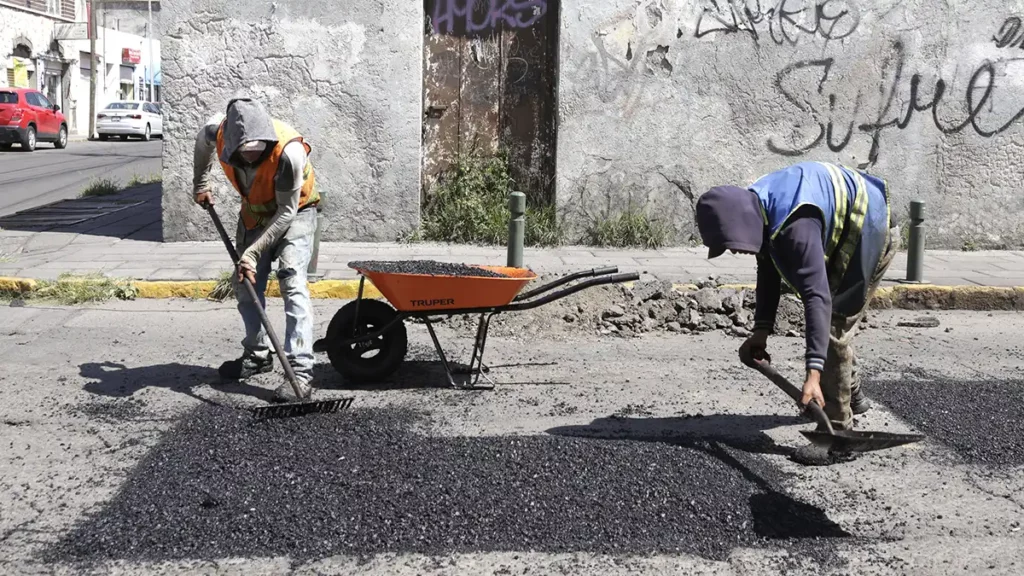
(839, 380)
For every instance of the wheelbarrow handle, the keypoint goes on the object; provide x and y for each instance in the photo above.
(792, 390)
(255, 301)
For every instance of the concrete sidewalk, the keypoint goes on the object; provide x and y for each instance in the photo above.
(119, 236)
(46, 255)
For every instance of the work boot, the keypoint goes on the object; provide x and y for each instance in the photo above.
(285, 393)
(859, 403)
(245, 367)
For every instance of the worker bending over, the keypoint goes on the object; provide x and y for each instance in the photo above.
(824, 231)
(267, 162)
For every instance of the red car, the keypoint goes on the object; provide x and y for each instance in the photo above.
(27, 117)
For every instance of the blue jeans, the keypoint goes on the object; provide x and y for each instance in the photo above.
(293, 253)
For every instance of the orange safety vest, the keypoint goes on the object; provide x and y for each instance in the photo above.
(261, 203)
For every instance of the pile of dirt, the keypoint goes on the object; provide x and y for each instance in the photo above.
(647, 306)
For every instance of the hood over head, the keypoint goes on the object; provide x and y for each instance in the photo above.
(729, 218)
(246, 121)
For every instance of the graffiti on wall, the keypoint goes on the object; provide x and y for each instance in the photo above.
(476, 17)
(831, 107)
(1010, 34)
(901, 100)
(784, 21)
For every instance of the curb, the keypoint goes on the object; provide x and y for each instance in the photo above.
(906, 297)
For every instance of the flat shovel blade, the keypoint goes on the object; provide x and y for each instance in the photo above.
(856, 441)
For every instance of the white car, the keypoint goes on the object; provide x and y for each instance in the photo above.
(129, 118)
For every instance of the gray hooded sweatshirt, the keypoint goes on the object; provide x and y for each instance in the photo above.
(247, 121)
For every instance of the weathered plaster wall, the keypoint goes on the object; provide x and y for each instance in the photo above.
(347, 75)
(661, 99)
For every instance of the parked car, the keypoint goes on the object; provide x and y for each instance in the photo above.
(27, 117)
(126, 118)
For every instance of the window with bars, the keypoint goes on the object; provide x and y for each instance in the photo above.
(60, 8)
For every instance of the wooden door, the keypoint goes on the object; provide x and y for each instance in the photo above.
(489, 71)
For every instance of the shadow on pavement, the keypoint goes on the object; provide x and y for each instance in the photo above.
(118, 381)
(738, 431)
(422, 371)
(134, 214)
(725, 437)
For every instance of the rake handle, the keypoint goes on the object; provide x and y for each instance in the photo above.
(255, 301)
(795, 393)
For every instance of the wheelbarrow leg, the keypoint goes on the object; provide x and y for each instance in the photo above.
(476, 367)
(481, 339)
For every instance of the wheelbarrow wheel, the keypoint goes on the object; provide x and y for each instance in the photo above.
(372, 360)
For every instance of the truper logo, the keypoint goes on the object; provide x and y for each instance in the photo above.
(431, 303)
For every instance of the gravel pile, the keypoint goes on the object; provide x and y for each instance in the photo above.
(649, 306)
(427, 267)
(222, 485)
(983, 426)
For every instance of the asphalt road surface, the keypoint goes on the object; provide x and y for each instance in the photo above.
(593, 455)
(47, 175)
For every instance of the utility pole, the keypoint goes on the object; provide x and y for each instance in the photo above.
(149, 35)
(92, 69)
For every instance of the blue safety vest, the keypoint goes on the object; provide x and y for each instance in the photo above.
(854, 208)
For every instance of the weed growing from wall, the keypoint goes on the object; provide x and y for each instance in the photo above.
(469, 205)
(630, 229)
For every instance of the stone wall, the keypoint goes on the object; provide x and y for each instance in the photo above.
(346, 75)
(661, 99)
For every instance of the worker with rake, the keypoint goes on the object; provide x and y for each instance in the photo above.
(267, 162)
(823, 230)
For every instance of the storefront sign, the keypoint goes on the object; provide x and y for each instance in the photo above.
(20, 74)
(131, 56)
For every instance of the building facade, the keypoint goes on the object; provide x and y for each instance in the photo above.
(614, 105)
(44, 44)
(31, 54)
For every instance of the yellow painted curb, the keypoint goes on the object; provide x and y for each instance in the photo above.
(200, 289)
(910, 296)
(171, 289)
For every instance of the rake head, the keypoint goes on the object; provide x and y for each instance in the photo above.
(292, 409)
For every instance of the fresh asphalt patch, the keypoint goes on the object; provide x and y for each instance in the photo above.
(980, 420)
(367, 481)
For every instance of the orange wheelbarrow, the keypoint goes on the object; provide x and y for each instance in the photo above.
(366, 339)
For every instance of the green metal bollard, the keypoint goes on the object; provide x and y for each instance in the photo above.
(915, 246)
(516, 229)
(311, 271)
